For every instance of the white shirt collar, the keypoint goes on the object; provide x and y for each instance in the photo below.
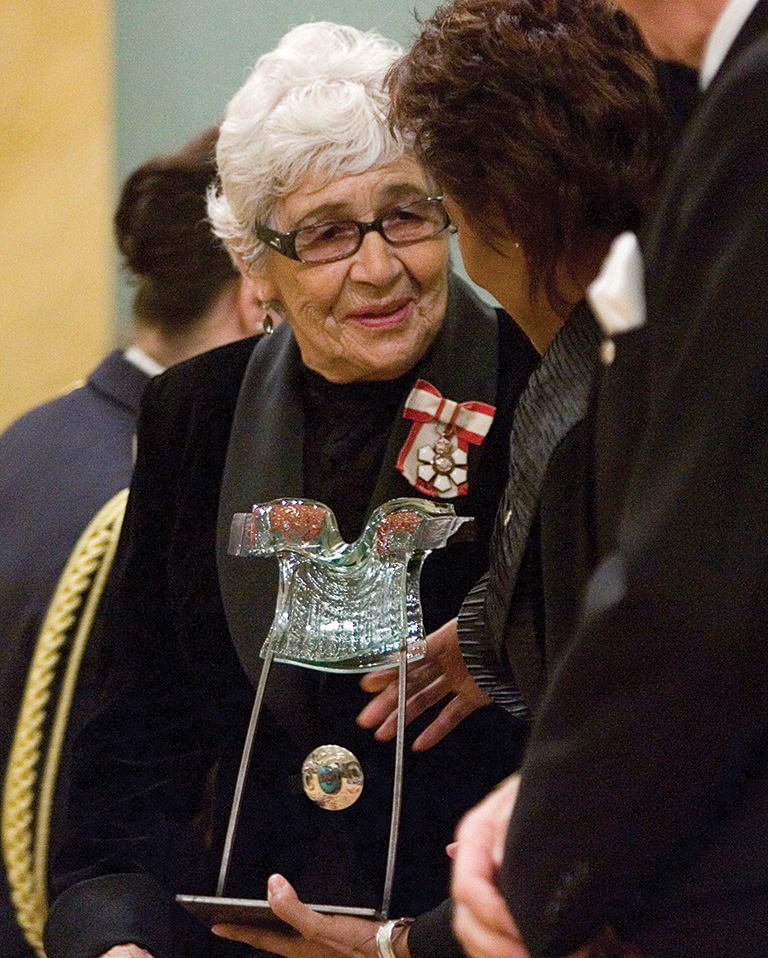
(720, 41)
(617, 294)
(138, 358)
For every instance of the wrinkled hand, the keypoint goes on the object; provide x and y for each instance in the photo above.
(127, 951)
(440, 674)
(321, 936)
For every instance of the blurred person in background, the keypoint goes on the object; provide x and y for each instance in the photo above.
(63, 460)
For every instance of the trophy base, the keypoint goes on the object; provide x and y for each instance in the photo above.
(247, 911)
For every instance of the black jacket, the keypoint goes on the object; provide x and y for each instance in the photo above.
(172, 728)
(645, 787)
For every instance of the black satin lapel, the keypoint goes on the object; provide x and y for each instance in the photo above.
(457, 365)
(264, 462)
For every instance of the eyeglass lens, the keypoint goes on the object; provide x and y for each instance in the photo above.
(400, 226)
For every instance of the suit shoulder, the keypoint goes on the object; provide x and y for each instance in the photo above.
(732, 112)
(79, 409)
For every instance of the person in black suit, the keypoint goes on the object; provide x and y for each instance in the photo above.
(643, 800)
(62, 461)
(563, 157)
(343, 234)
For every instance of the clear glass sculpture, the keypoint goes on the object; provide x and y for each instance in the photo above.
(345, 607)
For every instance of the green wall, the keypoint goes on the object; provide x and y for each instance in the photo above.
(178, 62)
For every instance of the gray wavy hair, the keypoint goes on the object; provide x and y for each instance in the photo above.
(316, 104)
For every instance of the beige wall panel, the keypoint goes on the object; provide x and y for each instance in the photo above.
(55, 195)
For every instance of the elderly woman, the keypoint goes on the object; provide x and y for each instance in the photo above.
(541, 122)
(344, 236)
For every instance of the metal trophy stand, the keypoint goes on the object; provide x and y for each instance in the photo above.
(322, 579)
(397, 788)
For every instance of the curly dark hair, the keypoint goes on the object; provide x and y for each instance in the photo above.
(176, 263)
(541, 116)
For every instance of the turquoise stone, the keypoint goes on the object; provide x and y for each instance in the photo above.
(329, 779)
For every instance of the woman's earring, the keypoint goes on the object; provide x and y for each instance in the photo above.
(273, 315)
(268, 322)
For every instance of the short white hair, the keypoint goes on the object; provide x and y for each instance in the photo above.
(315, 105)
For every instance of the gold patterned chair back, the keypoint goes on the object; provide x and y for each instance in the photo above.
(35, 754)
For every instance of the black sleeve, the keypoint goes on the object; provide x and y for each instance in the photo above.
(140, 763)
(431, 934)
(489, 668)
(118, 909)
(652, 737)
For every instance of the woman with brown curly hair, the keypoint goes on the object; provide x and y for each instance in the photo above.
(542, 123)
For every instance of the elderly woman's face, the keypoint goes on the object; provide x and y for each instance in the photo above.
(373, 315)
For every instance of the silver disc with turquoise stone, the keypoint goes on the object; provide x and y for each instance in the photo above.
(332, 777)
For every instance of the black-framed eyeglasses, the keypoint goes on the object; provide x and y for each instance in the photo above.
(338, 239)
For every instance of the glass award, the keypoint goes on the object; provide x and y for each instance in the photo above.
(341, 607)
(348, 607)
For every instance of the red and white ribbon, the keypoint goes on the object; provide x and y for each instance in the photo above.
(434, 456)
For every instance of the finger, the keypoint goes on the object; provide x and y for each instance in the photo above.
(126, 951)
(376, 681)
(415, 705)
(285, 903)
(378, 710)
(413, 709)
(473, 881)
(486, 905)
(480, 941)
(484, 925)
(506, 793)
(388, 678)
(381, 712)
(382, 678)
(452, 714)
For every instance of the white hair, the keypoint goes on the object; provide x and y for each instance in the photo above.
(316, 105)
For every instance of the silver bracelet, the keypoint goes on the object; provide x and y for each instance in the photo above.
(384, 947)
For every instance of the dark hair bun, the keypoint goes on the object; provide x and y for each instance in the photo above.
(163, 233)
